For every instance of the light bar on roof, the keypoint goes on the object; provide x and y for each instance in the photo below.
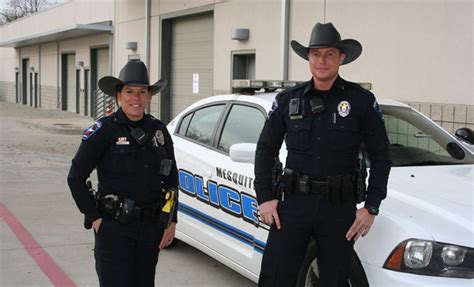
(253, 84)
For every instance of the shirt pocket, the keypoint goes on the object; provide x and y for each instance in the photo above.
(124, 159)
(298, 134)
(344, 135)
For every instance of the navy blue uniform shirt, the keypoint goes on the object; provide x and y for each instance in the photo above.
(326, 143)
(124, 167)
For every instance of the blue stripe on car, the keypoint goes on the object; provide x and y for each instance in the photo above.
(229, 230)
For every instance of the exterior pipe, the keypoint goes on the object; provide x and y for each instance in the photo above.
(147, 33)
(285, 37)
(147, 39)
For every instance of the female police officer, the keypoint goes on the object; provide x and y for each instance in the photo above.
(134, 157)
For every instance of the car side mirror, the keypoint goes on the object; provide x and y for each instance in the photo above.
(243, 152)
(465, 134)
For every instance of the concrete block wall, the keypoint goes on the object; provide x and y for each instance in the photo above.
(7, 91)
(449, 116)
(49, 97)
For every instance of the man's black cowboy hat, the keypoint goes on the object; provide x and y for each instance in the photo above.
(134, 73)
(325, 35)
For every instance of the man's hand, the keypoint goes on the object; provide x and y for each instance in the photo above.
(96, 224)
(168, 236)
(268, 212)
(361, 225)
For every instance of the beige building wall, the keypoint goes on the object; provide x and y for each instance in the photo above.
(264, 20)
(59, 17)
(49, 76)
(417, 51)
(9, 60)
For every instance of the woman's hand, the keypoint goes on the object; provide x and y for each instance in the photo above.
(168, 235)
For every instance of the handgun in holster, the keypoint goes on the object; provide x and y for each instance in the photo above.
(361, 187)
(93, 194)
(169, 206)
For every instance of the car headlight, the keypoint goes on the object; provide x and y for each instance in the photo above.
(433, 258)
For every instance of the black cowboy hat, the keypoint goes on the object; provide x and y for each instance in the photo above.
(325, 35)
(134, 73)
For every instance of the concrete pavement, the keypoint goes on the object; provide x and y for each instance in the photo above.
(42, 241)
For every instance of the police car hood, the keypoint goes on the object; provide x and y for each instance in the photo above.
(439, 199)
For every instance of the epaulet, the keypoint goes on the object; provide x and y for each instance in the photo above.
(152, 118)
(292, 89)
(358, 87)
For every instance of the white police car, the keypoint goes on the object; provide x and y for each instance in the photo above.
(423, 236)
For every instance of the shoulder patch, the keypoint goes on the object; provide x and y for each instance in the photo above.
(378, 110)
(91, 130)
(273, 108)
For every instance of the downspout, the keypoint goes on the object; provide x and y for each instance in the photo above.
(39, 77)
(285, 37)
(58, 75)
(146, 57)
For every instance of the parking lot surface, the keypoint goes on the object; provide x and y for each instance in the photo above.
(42, 239)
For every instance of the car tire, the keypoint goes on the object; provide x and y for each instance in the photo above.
(308, 276)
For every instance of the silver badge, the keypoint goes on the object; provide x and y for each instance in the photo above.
(159, 137)
(344, 108)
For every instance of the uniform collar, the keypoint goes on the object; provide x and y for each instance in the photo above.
(122, 118)
(336, 89)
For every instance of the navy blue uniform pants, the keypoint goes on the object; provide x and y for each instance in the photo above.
(302, 217)
(126, 254)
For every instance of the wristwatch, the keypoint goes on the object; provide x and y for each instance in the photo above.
(372, 209)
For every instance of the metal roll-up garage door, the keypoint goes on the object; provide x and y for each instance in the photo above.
(191, 60)
(99, 69)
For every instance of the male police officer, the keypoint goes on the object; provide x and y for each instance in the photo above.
(324, 122)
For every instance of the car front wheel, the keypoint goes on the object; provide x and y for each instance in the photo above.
(309, 274)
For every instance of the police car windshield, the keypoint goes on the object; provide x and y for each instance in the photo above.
(416, 141)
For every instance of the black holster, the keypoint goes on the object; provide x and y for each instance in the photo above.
(361, 189)
(288, 180)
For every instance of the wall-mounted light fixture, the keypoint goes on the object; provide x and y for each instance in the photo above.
(131, 46)
(134, 57)
(16, 69)
(240, 34)
(80, 63)
(32, 69)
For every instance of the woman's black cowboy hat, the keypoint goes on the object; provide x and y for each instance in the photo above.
(325, 35)
(134, 73)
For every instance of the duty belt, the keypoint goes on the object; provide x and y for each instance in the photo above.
(126, 210)
(304, 184)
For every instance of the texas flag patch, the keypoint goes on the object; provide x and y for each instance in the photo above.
(91, 130)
